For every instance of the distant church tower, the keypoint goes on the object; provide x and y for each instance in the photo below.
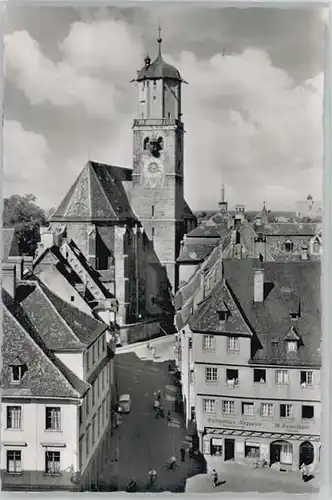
(157, 194)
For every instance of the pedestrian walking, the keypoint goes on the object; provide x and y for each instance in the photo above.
(153, 350)
(304, 472)
(152, 476)
(190, 450)
(169, 415)
(183, 454)
(214, 478)
(159, 395)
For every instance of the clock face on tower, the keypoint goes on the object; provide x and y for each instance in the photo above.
(153, 173)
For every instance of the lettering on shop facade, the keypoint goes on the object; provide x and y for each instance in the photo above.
(252, 424)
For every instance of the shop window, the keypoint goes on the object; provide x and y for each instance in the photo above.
(306, 378)
(251, 449)
(228, 407)
(206, 447)
(286, 411)
(216, 446)
(259, 376)
(232, 377)
(307, 411)
(286, 454)
(247, 408)
(211, 374)
(282, 377)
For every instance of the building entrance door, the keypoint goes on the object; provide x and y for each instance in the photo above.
(229, 449)
(306, 453)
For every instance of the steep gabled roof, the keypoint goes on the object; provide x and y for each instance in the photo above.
(188, 214)
(288, 229)
(206, 317)
(54, 331)
(9, 243)
(46, 375)
(271, 320)
(264, 216)
(97, 194)
(86, 328)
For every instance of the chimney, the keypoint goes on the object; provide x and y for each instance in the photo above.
(46, 237)
(258, 282)
(8, 280)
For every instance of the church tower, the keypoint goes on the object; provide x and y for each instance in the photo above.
(157, 182)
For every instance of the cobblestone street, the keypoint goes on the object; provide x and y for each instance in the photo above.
(143, 442)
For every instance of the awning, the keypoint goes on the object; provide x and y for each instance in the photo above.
(217, 441)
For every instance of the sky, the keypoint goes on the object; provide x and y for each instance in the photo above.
(252, 110)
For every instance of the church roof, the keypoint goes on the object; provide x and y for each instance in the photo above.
(264, 216)
(97, 195)
(158, 69)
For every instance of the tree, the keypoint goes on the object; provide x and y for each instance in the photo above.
(26, 216)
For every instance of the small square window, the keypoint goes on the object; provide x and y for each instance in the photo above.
(307, 411)
(247, 408)
(306, 378)
(286, 411)
(228, 407)
(259, 376)
(209, 405)
(232, 377)
(233, 344)
(17, 372)
(211, 374)
(267, 409)
(209, 342)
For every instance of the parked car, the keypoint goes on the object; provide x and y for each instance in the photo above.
(124, 403)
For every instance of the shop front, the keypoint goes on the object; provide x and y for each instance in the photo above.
(283, 451)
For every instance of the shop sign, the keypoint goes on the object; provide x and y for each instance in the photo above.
(298, 427)
(229, 422)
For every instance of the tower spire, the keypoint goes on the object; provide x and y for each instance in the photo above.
(222, 193)
(159, 39)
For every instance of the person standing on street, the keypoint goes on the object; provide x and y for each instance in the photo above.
(183, 454)
(214, 478)
(169, 416)
(159, 395)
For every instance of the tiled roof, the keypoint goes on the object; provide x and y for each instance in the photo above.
(271, 319)
(209, 229)
(287, 229)
(195, 251)
(46, 375)
(97, 194)
(206, 316)
(86, 328)
(52, 328)
(9, 243)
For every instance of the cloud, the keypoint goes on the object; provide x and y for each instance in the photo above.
(249, 123)
(25, 161)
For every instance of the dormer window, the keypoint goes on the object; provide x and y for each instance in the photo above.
(222, 315)
(292, 345)
(289, 246)
(294, 315)
(316, 247)
(17, 372)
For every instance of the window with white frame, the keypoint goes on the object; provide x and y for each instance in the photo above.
(247, 408)
(228, 407)
(233, 344)
(306, 378)
(52, 462)
(53, 418)
(14, 461)
(211, 374)
(209, 405)
(17, 372)
(282, 377)
(232, 377)
(267, 409)
(286, 410)
(209, 342)
(14, 417)
(292, 345)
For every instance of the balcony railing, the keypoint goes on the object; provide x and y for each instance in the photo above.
(158, 121)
